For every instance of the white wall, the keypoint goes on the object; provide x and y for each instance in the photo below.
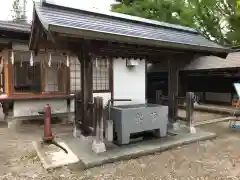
(128, 83)
(75, 72)
(32, 107)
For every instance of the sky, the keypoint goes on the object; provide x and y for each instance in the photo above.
(6, 7)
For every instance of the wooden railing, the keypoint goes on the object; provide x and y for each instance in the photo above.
(236, 103)
(96, 115)
(188, 100)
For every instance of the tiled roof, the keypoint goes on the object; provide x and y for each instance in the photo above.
(124, 28)
(213, 62)
(16, 27)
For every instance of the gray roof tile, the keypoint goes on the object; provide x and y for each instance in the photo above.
(120, 25)
(213, 62)
(13, 26)
(124, 16)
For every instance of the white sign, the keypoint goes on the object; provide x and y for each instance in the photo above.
(237, 88)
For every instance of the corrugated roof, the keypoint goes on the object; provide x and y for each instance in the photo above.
(55, 17)
(16, 27)
(213, 62)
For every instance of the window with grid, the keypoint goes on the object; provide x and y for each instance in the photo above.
(101, 69)
(75, 74)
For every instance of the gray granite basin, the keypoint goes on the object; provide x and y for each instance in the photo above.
(138, 118)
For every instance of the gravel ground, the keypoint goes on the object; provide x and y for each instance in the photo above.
(202, 160)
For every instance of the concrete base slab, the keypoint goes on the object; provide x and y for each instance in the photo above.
(80, 150)
(2, 115)
(76, 132)
(53, 157)
(176, 126)
(192, 130)
(98, 146)
(89, 159)
(181, 129)
(14, 124)
(109, 130)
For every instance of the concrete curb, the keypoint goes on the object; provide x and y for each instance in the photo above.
(47, 164)
(202, 108)
(211, 121)
(36, 146)
(160, 148)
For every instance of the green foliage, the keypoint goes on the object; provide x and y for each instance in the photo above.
(160, 10)
(237, 6)
(233, 35)
(216, 19)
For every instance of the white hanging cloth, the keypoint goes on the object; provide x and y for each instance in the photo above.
(12, 57)
(50, 60)
(59, 64)
(67, 60)
(31, 58)
(21, 61)
(1, 65)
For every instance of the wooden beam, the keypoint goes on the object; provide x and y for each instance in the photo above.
(108, 49)
(100, 45)
(44, 44)
(38, 35)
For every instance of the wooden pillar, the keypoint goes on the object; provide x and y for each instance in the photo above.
(181, 88)
(86, 88)
(204, 97)
(189, 107)
(8, 71)
(90, 90)
(172, 89)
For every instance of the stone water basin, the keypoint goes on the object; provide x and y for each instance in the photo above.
(129, 119)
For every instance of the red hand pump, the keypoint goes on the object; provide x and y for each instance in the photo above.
(47, 124)
(48, 137)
